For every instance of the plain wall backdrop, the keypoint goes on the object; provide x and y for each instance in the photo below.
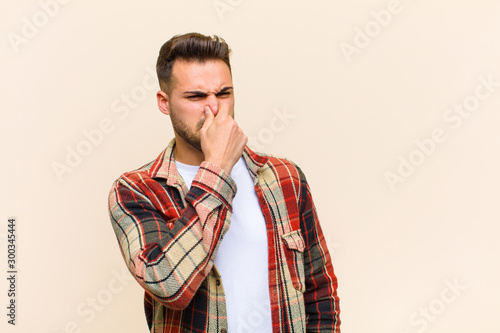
(390, 107)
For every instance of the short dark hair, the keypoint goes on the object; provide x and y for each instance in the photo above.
(190, 47)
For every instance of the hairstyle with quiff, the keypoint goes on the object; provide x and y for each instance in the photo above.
(190, 47)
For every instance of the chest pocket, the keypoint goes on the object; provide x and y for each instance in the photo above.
(294, 252)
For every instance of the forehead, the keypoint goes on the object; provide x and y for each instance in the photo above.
(210, 75)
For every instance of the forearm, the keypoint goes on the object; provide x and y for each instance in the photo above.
(322, 303)
(321, 299)
(170, 252)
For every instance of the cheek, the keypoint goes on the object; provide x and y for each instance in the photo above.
(230, 102)
(189, 111)
(194, 108)
(193, 115)
(227, 101)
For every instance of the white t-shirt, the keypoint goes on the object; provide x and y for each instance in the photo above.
(242, 257)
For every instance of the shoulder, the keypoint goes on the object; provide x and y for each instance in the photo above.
(134, 177)
(283, 168)
(162, 167)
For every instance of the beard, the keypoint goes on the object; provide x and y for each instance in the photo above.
(191, 137)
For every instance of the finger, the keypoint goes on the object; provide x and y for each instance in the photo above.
(209, 118)
(224, 111)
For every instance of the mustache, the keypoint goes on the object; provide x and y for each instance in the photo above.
(201, 122)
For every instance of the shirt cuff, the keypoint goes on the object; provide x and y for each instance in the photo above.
(215, 180)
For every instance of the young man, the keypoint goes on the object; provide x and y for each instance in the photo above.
(222, 239)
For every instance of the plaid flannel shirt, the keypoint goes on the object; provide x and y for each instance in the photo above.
(169, 236)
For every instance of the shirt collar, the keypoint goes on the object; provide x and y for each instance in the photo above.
(164, 165)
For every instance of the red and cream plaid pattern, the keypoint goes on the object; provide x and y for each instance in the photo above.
(169, 235)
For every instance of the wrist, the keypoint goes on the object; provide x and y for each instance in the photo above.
(221, 164)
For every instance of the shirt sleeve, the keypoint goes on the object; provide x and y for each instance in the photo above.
(320, 297)
(170, 258)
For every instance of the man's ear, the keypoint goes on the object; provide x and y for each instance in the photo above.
(162, 100)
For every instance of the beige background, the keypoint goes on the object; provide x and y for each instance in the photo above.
(418, 256)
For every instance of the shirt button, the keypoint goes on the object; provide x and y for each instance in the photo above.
(217, 282)
(223, 330)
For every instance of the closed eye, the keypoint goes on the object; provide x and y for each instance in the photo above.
(223, 94)
(196, 96)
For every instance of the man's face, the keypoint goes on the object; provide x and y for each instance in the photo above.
(196, 85)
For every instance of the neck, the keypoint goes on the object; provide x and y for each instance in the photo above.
(187, 154)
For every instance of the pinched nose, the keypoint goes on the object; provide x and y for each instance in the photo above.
(213, 104)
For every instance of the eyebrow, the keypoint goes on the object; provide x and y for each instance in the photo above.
(201, 93)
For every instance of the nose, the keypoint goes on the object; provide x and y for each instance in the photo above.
(213, 103)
